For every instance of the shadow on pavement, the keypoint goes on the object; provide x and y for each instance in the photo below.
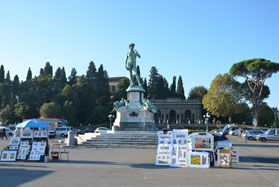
(149, 166)
(257, 145)
(252, 159)
(17, 177)
(21, 165)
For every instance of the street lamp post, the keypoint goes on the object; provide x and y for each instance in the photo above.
(110, 118)
(206, 117)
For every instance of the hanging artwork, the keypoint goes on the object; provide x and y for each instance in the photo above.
(202, 143)
(15, 141)
(34, 155)
(8, 156)
(198, 160)
(182, 156)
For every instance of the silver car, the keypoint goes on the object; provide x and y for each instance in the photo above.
(269, 135)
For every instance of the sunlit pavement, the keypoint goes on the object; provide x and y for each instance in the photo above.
(135, 167)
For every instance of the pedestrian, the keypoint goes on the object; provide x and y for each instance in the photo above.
(4, 133)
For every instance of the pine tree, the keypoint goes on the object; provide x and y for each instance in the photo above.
(173, 87)
(2, 74)
(63, 76)
(180, 88)
(57, 74)
(15, 86)
(152, 83)
(29, 75)
(41, 72)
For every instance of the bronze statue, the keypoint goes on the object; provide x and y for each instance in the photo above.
(131, 66)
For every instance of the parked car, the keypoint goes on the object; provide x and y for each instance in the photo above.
(233, 131)
(252, 134)
(102, 130)
(220, 141)
(63, 131)
(51, 133)
(269, 135)
(86, 130)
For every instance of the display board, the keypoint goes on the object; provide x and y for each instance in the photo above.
(26, 134)
(164, 150)
(179, 148)
(24, 150)
(38, 149)
(40, 134)
(223, 157)
(198, 160)
(8, 155)
(182, 156)
(180, 137)
(234, 157)
(202, 143)
(14, 141)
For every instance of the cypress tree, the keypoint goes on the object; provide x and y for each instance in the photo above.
(275, 123)
(180, 88)
(8, 77)
(173, 87)
(91, 72)
(29, 75)
(73, 76)
(2, 74)
(48, 70)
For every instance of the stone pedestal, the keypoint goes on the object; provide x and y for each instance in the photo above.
(134, 116)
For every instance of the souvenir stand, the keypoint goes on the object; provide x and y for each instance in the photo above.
(175, 149)
(32, 145)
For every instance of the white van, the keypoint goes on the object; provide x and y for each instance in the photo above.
(63, 131)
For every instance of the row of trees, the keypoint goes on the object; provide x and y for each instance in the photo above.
(83, 99)
(79, 99)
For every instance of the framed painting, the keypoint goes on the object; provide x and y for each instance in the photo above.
(202, 143)
(26, 134)
(198, 160)
(180, 137)
(223, 158)
(9, 156)
(15, 141)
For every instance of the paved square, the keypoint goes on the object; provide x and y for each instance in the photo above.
(135, 167)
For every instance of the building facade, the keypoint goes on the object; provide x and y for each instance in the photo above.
(113, 82)
(177, 111)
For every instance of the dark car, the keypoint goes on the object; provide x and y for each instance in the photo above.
(86, 130)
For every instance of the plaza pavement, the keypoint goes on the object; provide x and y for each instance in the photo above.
(135, 167)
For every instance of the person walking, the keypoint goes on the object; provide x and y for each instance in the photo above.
(4, 133)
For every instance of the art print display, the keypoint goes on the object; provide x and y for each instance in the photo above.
(198, 160)
(235, 157)
(8, 155)
(182, 156)
(28, 134)
(202, 142)
(15, 141)
(164, 138)
(164, 150)
(34, 155)
(223, 157)
(13, 147)
(180, 137)
(174, 160)
(40, 134)
(23, 150)
(39, 147)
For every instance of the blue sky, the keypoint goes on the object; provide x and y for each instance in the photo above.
(196, 39)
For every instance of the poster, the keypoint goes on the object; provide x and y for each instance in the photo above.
(164, 150)
(23, 150)
(223, 157)
(182, 156)
(13, 147)
(180, 137)
(15, 141)
(202, 143)
(34, 155)
(38, 149)
(198, 160)
(8, 156)
(26, 134)
(40, 134)
(174, 156)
